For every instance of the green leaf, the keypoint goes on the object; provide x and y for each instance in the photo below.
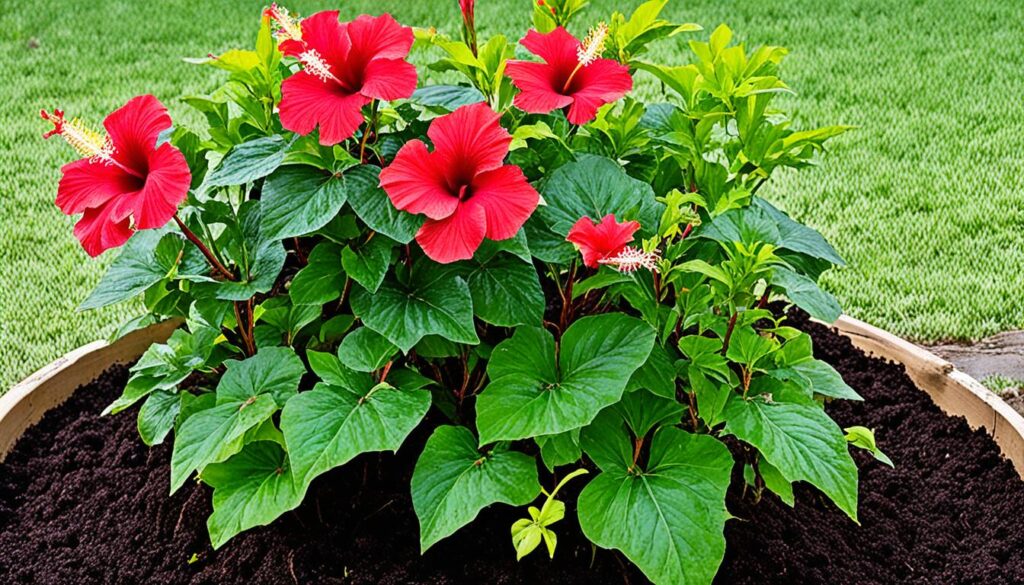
(365, 350)
(669, 517)
(249, 161)
(276, 371)
(448, 97)
(212, 435)
(818, 377)
(864, 438)
(368, 263)
(453, 481)
(330, 425)
(798, 237)
(262, 259)
(533, 393)
(807, 295)
(373, 206)
(593, 187)
(250, 489)
(157, 416)
(560, 449)
(643, 411)
(433, 303)
(148, 257)
(506, 291)
(330, 369)
(658, 374)
(322, 279)
(800, 440)
(774, 481)
(299, 199)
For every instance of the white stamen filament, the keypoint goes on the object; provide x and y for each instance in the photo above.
(593, 45)
(288, 26)
(631, 259)
(316, 66)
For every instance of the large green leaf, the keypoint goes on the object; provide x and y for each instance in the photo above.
(365, 350)
(148, 257)
(432, 303)
(249, 161)
(807, 294)
(448, 97)
(506, 291)
(261, 258)
(250, 489)
(368, 263)
(453, 481)
(798, 439)
(330, 425)
(274, 370)
(667, 517)
(373, 206)
(799, 237)
(532, 392)
(212, 435)
(593, 187)
(322, 279)
(248, 394)
(300, 199)
(157, 416)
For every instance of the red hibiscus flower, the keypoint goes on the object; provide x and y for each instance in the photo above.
(602, 241)
(345, 67)
(572, 75)
(463, 187)
(125, 182)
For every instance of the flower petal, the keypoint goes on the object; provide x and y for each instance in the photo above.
(134, 128)
(308, 102)
(558, 48)
(456, 237)
(323, 32)
(378, 37)
(602, 82)
(86, 184)
(507, 198)
(389, 79)
(414, 183)
(468, 141)
(166, 187)
(536, 83)
(98, 231)
(599, 241)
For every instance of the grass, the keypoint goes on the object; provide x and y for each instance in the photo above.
(924, 200)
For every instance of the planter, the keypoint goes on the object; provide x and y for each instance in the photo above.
(140, 535)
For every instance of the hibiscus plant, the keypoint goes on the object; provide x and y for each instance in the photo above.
(547, 276)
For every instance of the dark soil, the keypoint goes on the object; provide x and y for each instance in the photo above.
(82, 500)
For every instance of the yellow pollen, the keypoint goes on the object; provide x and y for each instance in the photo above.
(87, 142)
(289, 28)
(593, 45)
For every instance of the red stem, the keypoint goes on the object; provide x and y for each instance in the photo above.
(214, 262)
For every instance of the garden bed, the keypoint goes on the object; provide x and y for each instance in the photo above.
(81, 499)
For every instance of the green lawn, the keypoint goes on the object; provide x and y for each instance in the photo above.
(924, 200)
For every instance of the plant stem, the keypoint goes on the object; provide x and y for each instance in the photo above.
(728, 332)
(371, 126)
(210, 257)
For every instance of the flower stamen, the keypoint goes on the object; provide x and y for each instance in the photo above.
(590, 50)
(316, 66)
(593, 45)
(631, 259)
(86, 141)
(288, 26)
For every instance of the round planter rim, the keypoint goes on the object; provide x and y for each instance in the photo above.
(956, 393)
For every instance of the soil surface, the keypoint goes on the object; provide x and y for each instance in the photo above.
(82, 500)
